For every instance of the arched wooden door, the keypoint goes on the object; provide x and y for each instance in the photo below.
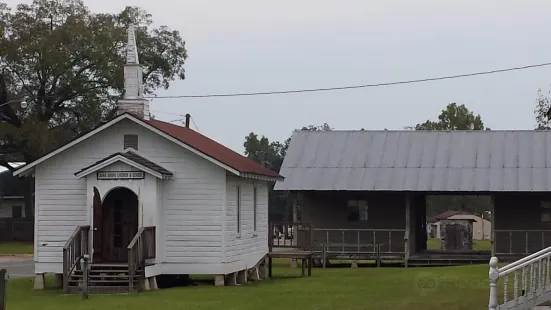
(115, 224)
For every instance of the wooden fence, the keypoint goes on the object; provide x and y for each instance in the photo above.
(17, 230)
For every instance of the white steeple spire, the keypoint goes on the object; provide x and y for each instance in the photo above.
(133, 101)
(131, 47)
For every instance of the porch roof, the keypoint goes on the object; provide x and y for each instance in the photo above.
(422, 161)
(130, 157)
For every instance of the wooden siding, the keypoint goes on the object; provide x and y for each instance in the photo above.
(192, 201)
(247, 246)
(327, 210)
(518, 225)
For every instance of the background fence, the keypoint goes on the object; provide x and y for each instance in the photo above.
(16, 230)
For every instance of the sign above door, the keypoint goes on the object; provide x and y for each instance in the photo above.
(120, 175)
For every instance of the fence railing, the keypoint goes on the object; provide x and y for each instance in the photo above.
(21, 230)
(521, 241)
(347, 241)
(141, 248)
(531, 282)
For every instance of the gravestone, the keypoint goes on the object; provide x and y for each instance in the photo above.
(456, 235)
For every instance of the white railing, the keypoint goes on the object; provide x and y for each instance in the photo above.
(531, 282)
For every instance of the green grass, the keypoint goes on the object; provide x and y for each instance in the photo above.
(338, 288)
(478, 245)
(11, 248)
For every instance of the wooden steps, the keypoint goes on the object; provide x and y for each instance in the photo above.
(105, 278)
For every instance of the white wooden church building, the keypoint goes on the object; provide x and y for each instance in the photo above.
(145, 196)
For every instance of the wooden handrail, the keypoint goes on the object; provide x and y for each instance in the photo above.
(141, 247)
(76, 247)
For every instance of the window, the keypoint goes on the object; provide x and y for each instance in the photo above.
(16, 212)
(357, 210)
(238, 209)
(254, 208)
(546, 211)
(131, 141)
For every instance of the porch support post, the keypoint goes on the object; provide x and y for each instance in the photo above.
(493, 225)
(408, 225)
(293, 202)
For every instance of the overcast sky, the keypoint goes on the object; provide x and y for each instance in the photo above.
(252, 46)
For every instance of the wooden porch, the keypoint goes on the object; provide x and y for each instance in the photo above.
(380, 246)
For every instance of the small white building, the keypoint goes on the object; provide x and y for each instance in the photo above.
(482, 228)
(182, 202)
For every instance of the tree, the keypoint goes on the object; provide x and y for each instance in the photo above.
(271, 155)
(67, 64)
(454, 117)
(542, 107)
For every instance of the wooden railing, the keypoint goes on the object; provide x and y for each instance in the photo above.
(141, 247)
(290, 236)
(521, 241)
(76, 247)
(348, 241)
(531, 282)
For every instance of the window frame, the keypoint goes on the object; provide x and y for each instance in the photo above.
(255, 209)
(238, 210)
(125, 142)
(359, 206)
(545, 216)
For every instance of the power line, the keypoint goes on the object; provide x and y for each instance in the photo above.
(308, 90)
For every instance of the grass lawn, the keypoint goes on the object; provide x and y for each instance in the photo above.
(338, 288)
(16, 248)
(478, 245)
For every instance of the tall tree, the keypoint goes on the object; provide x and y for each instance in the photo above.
(271, 155)
(66, 63)
(542, 107)
(453, 117)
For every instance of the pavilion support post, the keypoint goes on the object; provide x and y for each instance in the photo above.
(492, 225)
(408, 228)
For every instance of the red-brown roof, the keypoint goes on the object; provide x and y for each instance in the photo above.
(446, 214)
(212, 149)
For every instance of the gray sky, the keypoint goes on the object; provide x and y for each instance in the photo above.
(252, 45)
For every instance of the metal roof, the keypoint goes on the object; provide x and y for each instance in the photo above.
(440, 161)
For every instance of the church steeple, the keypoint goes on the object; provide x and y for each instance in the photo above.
(133, 101)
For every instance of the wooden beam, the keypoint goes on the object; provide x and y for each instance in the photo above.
(493, 225)
(408, 225)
